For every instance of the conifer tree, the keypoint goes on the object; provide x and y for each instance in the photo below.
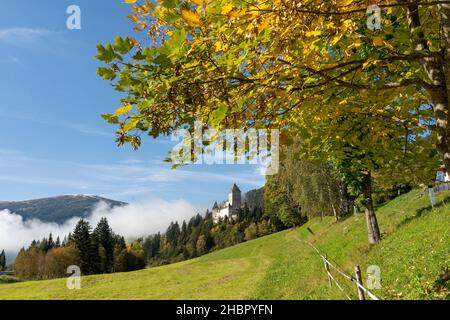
(69, 237)
(58, 242)
(105, 238)
(82, 240)
(50, 242)
(64, 242)
(2, 260)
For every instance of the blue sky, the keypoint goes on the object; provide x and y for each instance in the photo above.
(53, 139)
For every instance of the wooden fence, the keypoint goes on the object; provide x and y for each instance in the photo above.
(436, 189)
(442, 187)
(356, 279)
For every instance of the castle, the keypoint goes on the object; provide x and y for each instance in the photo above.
(230, 207)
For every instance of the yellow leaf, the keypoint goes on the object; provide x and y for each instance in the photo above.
(348, 23)
(129, 1)
(370, 62)
(194, 45)
(123, 110)
(226, 9)
(236, 13)
(191, 17)
(345, 3)
(378, 41)
(337, 38)
(145, 8)
(218, 46)
(263, 25)
(313, 33)
(130, 125)
(134, 42)
(356, 44)
(200, 2)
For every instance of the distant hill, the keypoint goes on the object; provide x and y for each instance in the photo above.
(57, 209)
(254, 198)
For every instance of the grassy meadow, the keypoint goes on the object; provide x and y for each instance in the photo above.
(413, 256)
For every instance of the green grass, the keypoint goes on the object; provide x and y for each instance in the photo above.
(412, 257)
(8, 279)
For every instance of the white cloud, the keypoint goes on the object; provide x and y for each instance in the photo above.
(141, 219)
(24, 35)
(16, 233)
(131, 221)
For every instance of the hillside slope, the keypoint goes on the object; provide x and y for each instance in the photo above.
(412, 257)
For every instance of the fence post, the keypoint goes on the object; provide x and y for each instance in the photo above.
(327, 268)
(359, 280)
(432, 196)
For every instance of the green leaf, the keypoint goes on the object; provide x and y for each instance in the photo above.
(169, 3)
(219, 114)
(122, 45)
(106, 73)
(107, 54)
(110, 118)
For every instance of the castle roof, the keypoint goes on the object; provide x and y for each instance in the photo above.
(215, 206)
(235, 188)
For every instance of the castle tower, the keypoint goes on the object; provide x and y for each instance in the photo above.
(235, 197)
(215, 211)
(230, 207)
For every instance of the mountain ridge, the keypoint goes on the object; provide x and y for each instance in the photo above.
(57, 209)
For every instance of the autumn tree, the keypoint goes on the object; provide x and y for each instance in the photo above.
(29, 264)
(135, 257)
(201, 245)
(57, 260)
(251, 232)
(236, 64)
(303, 189)
(366, 139)
(220, 56)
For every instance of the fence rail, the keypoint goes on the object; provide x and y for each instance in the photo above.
(442, 187)
(357, 279)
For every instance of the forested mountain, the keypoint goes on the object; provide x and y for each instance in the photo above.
(254, 198)
(57, 209)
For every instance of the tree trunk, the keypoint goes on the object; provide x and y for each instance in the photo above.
(373, 230)
(437, 68)
(336, 216)
(441, 112)
(343, 200)
(330, 197)
(444, 13)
